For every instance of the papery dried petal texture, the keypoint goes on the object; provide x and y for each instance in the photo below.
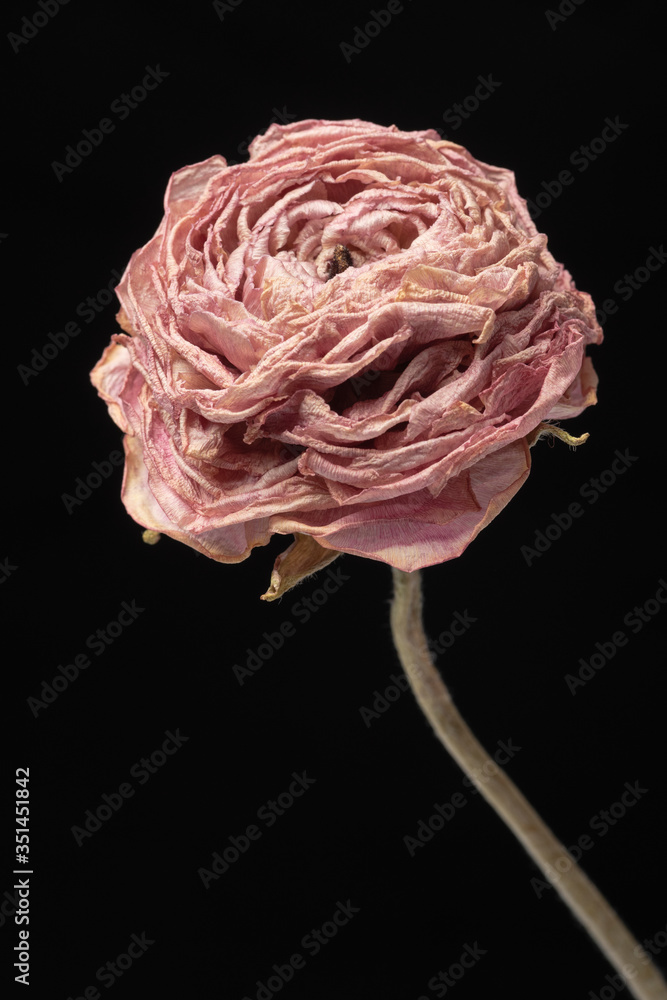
(384, 411)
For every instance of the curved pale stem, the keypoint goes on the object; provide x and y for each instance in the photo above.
(574, 887)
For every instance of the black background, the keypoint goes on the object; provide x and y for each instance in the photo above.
(228, 78)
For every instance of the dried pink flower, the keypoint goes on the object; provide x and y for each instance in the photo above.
(353, 337)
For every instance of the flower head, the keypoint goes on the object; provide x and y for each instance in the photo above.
(354, 337)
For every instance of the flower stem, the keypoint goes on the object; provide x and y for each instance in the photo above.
(575, 888)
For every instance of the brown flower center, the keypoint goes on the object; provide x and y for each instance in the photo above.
(340, 261)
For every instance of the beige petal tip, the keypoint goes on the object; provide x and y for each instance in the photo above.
(304, 557)
(546, 430)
